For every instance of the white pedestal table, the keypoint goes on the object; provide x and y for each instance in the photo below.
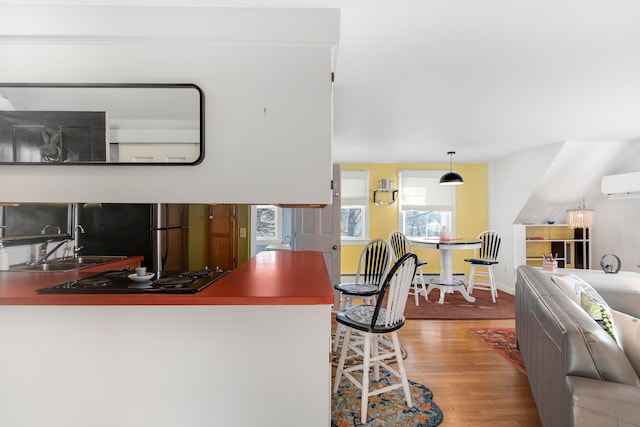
(446, 283)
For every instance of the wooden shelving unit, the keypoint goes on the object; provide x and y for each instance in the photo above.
(532, 241)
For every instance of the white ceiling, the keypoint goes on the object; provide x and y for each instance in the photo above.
(484, 78)
(418, 78)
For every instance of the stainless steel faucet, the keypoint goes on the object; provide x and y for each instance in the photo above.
(44, 229)
(78, 230)
(44, 255)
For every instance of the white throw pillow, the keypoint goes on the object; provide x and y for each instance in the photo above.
(589, 299)
(568, 285)
(628, 334)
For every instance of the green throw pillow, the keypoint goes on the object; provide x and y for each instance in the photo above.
(598, 312)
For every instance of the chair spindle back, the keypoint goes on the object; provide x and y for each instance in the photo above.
(490, 245)
(374, 264)
(396, 288)
(399, 244)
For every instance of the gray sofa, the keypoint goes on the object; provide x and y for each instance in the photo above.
(578, 374)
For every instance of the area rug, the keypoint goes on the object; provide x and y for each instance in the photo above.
(455, 307)
(386, 409)
(502, 340)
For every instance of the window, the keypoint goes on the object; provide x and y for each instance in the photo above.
(268, 223)
(425, 205)
(354, 215)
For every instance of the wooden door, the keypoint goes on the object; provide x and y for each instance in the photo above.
(223, 242)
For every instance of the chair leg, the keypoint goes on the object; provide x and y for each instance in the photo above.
(346, 302)
(403, 373)
(488, 284)
(375, 352)
(340, 330)
(343, 357)
(364, 404)
(371, 355)
(472, 276)
(423, 284)
(419, 287)
(492, 284)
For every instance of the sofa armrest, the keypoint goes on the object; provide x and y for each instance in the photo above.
(603, 403)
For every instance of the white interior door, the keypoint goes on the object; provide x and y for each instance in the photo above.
(318, 229)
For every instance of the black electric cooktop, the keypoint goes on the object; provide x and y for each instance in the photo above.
(126, 282)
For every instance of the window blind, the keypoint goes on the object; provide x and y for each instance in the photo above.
(421, 190)
(355, 187)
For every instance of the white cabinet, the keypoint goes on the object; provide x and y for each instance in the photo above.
(266, 78)
(532, 242)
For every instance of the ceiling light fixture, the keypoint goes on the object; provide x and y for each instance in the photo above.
(451, 177)
(581, 217)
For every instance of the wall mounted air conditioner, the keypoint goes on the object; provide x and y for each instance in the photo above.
(622, 186)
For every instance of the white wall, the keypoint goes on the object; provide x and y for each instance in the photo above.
(512, 179)
(265, 74)
(165, 366)
(617, 222)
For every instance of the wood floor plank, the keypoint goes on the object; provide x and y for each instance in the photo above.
(471, 382)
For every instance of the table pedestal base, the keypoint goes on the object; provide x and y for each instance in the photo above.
(448, 288)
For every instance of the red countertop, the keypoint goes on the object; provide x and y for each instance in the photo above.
(269, 278)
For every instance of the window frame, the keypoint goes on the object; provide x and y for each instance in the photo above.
(278, 225)
(360, 201)
(441, 202)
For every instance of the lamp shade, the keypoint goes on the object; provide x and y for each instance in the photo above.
(451, 178)
(581, 217)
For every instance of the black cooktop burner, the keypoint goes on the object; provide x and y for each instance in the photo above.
(116, 274)
(119, 282)
(199, 273)
(92, 282)
(174, 281)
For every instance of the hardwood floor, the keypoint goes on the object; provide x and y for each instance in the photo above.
(471, 383)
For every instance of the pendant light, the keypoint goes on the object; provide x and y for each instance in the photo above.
(451, 177)
(581, 217)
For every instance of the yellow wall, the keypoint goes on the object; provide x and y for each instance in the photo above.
(471, 211)
(197, 250)
(244, 250)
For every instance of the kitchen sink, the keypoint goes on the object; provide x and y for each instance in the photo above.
(48, 266)
(67, 264)
(91, 259)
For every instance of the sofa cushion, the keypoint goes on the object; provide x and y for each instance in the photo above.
(628, 333)
(588, 298)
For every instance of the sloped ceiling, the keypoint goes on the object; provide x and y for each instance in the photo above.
(574, 175)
